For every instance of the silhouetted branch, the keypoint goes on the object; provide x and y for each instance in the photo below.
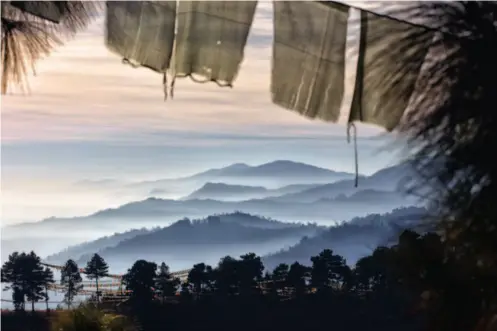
(26, 37)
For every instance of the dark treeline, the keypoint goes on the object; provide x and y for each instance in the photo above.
(395, 288)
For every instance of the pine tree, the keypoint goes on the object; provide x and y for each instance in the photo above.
(279, 277)
(35, 279)
(185, 291)
(48, 279)
(140, 280)
(200, 277)
(71, 278)
(297, 278)
(165, 283)
(97, 268)
(25, 275)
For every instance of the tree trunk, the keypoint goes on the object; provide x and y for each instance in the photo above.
(33, 306)
(46, 297)
(98, 293)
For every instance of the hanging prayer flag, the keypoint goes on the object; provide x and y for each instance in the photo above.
(389, 63)
(142, 32)
(211, 39)
(47, 10)
(308, 66)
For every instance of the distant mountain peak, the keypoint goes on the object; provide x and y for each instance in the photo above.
(238, 166)
(210, 185)
(294, 169)
(281, 163)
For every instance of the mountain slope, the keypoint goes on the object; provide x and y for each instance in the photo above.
(160, 212)
(353, 239)
(228, 192)
(388, 179)
(231, 170)
(237, 218)
(75, 251)
(221, 191)
(284, 168)
(277, 173)
(186, 242)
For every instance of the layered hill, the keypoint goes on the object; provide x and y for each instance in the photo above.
(269, 175)
(229, 192)
(186, 242)
(353, 239)
(390, 179)
(323, 203)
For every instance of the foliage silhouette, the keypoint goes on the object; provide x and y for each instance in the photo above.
(166, 284)
(298, 277)
(88, 318)
(26, 277)
(329, 271)
(26, 37)
(386, 290)
(48, 279)
(450, 125)
(71, 279)
(95, 269)
(200, 279)
(140, 279)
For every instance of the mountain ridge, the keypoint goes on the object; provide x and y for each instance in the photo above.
(209, 238)
(312, 203)
(284, 170)
(352, 239)
(390, 179)
(231, 192)
(239, 218)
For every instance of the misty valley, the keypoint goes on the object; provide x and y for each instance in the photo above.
(248, 166)
(289, 212)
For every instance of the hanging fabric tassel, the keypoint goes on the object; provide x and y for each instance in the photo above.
(171, 89)
(356, 158)
(164, 85)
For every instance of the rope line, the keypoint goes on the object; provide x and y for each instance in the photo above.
(179, 273)
(417, 25)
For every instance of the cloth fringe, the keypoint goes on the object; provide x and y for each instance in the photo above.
(356, 158)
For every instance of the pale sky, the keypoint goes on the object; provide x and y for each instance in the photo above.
(90, 116)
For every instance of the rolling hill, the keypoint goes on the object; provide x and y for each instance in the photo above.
(322, 203)
(354, 239)
(227, 192)
(271, 175)
(160, 212)
(75, 251)
(389, 179)
(186, 242)
(221, 191)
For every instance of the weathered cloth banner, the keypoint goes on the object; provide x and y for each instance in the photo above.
(308, 66)
(142, 32)
(211, 39)
(385, 80)
(48, 10)
(207, 39)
